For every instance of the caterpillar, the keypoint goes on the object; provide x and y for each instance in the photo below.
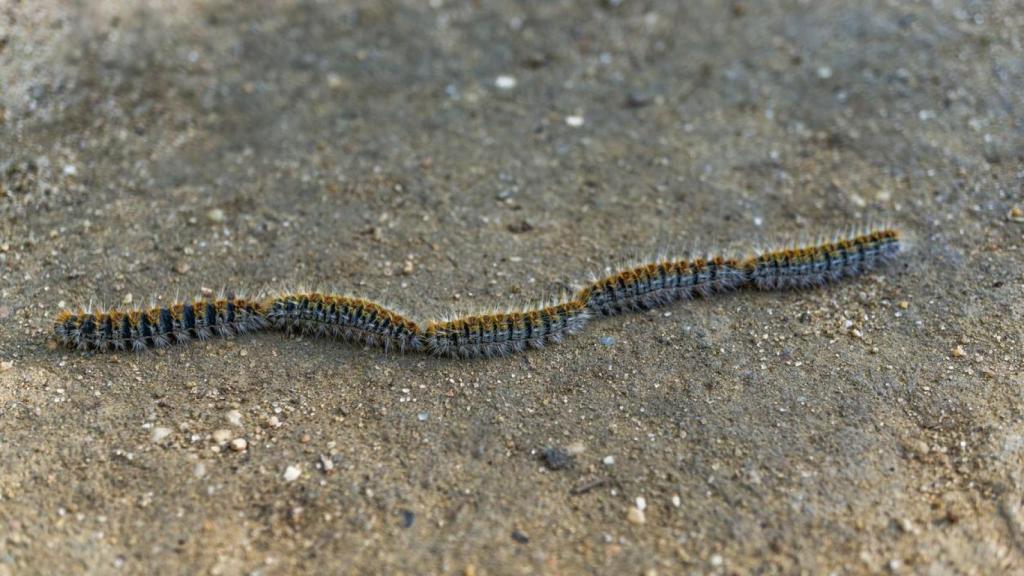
(639, 287)
(353, 319)
(501, 333)
(156, 327)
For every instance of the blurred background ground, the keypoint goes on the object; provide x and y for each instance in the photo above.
(451, 155)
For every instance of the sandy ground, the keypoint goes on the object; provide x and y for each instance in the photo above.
(150, 149)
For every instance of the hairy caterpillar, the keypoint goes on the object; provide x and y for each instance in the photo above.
(349, 318)
(158, 326)
(638, 287)
(501, 333)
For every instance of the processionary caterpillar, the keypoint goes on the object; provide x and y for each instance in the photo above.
(634, 288)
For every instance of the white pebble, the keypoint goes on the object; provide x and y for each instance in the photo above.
(641, 503)
(234, 417)
(505, 82)
(326, 463)
(824, 72)
(222, 436)
(292, 473)
(239, 444)
(215, 215)
(160, 433)
(574, 121)
(608, 460)
(676, 500)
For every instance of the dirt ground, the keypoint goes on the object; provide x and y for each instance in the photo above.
(451, 155)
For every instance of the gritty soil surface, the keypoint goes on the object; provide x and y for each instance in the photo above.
(451, 155)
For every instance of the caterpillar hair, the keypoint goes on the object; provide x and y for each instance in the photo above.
(638, 287)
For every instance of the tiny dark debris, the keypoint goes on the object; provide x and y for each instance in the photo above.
(520, 227)
(520, 537)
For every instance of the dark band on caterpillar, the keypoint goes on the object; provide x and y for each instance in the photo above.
(360, 320)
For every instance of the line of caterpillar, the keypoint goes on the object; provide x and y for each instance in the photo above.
(359, 320)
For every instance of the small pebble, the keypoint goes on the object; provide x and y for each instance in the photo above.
(408, 518)
(239, 444)
(607, 340)
(234, 417)
(641, 503)
(334, 81)
(222, 436)
(1016, 214)
(958, 352)
(182, 267)
(215, 216)
(6, 365)
(636, 516)
(292, 473)
(274, 422)
(505, 82)
(423, 416)
(638, 99)
(326, 464)
(824, 72)
(520, 537)
(160, 433)
(574, 121)
(408, 268)
(608, 460)
(556, 458)
(127, 298)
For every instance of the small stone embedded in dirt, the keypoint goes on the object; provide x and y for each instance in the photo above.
(636, 516)
(556, 458)
(326, 464)
(215, 216)
(520, 227)
(160, 433)
(292, 473)
(408, 518)
(520, 536)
